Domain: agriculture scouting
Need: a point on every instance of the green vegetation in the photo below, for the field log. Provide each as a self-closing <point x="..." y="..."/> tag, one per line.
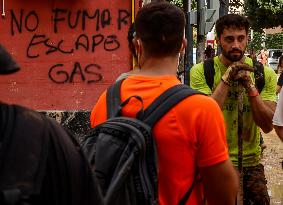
<point x="264" y="13"/>
<point x="179" y="3"/>
<point x="269" y="41"/>
<point x="274" y="40"/>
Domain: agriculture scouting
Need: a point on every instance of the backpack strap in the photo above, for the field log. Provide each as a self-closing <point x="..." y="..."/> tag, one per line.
<point x="188" y="193"/>
<point x="209" y="72"/>
<point x="113" y="99"/>
<point x="160" y="106"/>
<point x="259" y="75"/>
<point x="163" y="103"/>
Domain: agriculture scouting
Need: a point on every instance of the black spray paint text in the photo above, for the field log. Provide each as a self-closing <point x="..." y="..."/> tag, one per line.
<point x="98" y="19"/>
<point x="83" y="41"/>
<point x="63" y="20"/>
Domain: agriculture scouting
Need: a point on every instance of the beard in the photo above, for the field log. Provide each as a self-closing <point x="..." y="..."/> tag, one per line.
<point x="231" y="56"/>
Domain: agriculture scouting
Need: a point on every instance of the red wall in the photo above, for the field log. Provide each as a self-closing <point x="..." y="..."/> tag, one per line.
<point x="69" y="51"/>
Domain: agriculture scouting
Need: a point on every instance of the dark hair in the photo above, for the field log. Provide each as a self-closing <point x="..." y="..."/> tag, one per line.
<point x="160" y="26"/>
<point x="131" y="35"/>
<point x="280" y="60"/>
<point x="231" y="20"/>
<point x="209" y="52"/>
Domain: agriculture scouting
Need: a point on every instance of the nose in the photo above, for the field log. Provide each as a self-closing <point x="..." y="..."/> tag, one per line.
<point x="236" y="44"/>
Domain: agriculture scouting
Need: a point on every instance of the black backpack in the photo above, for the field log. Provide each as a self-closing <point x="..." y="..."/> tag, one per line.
<point x="122" y="150"/>
<point x="41" y="163"/>
<point x="209" y="73"/>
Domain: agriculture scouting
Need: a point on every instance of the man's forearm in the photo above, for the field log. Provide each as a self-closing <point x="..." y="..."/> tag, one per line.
<point x="279" y="131"/>
<point x="263" y="112"/>
<point x="220" y="93"/>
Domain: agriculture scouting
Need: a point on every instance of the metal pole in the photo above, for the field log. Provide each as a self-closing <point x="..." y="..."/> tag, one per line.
<point x="3" y="8"/>
<point x="200" y="37"/>
<point x="189" y="36"/>
<point x="223" y="10"/>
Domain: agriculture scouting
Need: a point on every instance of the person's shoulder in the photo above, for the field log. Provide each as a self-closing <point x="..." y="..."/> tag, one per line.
<point x="249" y="61"/>
<point x="197" y="69"/>
<point x="123" y="76"/>
<point x="28" y="115"/>
<point x="269" y="71"/>
<point x="39" y="121"/>
<point x="197" y="66"/>
<point x="201" y="102"/>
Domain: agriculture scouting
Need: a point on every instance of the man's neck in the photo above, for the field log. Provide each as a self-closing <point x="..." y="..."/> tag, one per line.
<point x="227" y="62"/>
<point x="159" y="66"/>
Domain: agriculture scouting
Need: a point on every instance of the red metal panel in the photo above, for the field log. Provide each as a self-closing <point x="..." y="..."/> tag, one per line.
<point x="69" y="51"/>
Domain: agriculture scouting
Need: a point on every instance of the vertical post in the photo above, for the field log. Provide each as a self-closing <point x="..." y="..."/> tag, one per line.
<point x="223" y="10"/>
<point x="200" y="37"/>
<point x="188" y="58"/>
<point x="3" y="8"/>
<point x="224" y="7"/>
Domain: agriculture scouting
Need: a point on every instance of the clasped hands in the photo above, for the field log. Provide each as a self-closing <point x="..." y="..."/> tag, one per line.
<point x="240" y="72"/>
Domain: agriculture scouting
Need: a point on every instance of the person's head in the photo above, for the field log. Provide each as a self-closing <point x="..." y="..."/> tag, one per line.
<point x="232" y="36"/>
<point x="160" y="30"/>
<point x="280" y="63"/>
<point x="131" y="36"/>
<point x="209" y="52"/>
<point x="7" y="63"/>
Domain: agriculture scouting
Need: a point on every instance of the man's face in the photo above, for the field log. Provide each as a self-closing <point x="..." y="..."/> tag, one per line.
<point x="233" y="43"/>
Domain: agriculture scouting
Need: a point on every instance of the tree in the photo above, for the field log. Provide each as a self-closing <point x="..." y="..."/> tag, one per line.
<point x="180" y="4"/>
<point x="264" y="13"/>
<point x="256" y="43"/>
<point x="274" y="40"/>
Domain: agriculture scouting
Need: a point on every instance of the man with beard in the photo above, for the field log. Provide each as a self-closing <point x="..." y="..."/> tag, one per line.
<point x="232" y="69"/>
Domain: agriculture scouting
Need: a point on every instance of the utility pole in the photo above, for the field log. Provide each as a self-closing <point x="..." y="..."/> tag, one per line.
<point x="188" y="58"/>
<point x="224" y="7"/>
<point x="223" y="10"/>
<point x="200" y="35"/>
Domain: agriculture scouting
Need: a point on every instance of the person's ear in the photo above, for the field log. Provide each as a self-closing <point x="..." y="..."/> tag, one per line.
<point x="184" y="45"/>
<point x="138" y="49"/>
<point x="137" y="44"/>
<point x="217" y="40"/>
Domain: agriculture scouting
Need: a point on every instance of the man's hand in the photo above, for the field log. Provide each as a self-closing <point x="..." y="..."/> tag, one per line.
<point x="245" y="79"/>
<point x="238" y="72"/>
<point x="244" y="76"/>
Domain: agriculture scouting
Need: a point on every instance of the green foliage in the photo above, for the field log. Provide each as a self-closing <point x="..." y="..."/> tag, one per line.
<point x="274" y="40"/>
<point x="235" y="5"/>
<point x="179" y="3"/>
<point x="264" y="13"/>
<point x="270" y="41"/>
<point x="256" y="43"/>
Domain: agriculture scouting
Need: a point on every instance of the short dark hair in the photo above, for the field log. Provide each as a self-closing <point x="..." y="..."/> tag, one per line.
<point x="231" y="20"/>
<point x="130" y="37"/>
<point x="160" y="26"/>
<point x="280" y="60"/>
<point x="209" y="51"/>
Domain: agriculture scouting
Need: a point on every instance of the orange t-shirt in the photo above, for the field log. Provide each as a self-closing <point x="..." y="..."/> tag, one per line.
<point x="192" y="132"/>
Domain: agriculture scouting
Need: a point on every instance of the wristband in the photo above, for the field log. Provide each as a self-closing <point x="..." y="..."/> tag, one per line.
<point x="253" y="92"/>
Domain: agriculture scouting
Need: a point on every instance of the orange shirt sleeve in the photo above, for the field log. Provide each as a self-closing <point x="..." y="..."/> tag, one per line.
<point x="206" y="124"/>
<point x="99" y="111"/>
<point x="213" y="147"/>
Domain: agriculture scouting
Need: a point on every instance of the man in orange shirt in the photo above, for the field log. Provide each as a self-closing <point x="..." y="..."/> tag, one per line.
<point x="190" y="137"/>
